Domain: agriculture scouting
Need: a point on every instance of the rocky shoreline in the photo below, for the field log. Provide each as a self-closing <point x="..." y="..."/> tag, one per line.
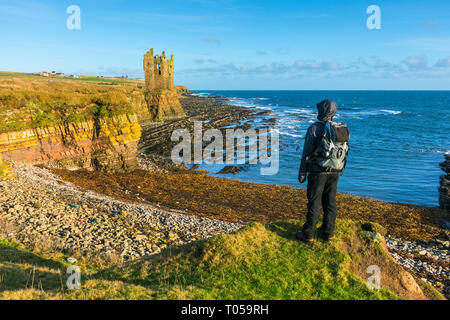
<point x="429" y="261"/>
<point x="41" y="211"/>
<point x="213" y="112"/>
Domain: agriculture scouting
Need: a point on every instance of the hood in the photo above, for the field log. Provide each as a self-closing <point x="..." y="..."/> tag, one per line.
<point x="327" y="109"/>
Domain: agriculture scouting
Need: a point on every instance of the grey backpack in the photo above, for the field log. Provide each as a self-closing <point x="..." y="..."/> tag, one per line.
<point x="333" y="148"/>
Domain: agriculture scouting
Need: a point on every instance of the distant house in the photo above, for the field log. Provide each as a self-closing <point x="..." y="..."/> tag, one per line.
<point x="75" y="76"/>
<point x="43" y="74"/>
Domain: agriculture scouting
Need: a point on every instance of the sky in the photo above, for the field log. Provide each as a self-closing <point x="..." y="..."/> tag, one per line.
<point x="237" y="45"/>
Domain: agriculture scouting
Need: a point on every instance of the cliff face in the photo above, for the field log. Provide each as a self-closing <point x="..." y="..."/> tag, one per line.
<point x="164" y="104"/>
<point x="444" y="190"/>
<point x="182" y="90"/>
<point x="101" y="143"/>
<point x="81" y="124"/>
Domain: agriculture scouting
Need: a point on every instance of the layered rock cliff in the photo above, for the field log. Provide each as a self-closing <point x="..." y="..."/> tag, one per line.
<point x="82" y="124"/>
<point x="163" y="104"/>
<point x="182" y="90"/>
<point x="108" y="143"/>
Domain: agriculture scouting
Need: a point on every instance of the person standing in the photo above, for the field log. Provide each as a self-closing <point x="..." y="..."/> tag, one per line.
<point x="324" y="157"/>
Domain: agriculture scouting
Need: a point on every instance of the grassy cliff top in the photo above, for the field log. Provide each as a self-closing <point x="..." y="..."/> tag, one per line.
<point x="28" y="101"/>
<point x="260" y="261"/>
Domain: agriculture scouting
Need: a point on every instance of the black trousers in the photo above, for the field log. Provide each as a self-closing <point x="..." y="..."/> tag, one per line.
<point x="321" y="190"/>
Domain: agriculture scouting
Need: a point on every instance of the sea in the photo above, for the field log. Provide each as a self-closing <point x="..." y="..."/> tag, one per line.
<point x="398" y="139"/>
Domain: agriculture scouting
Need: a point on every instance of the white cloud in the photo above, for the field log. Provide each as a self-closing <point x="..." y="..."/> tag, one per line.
<point x="211" y="40"/>
<point x="414" y="66"/>
<point x="416" y="61"/>
<point x="443" y="63"/>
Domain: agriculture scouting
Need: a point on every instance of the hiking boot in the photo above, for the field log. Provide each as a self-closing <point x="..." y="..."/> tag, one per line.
<point x="299" y="236"/>
<point x="323" y="236"/>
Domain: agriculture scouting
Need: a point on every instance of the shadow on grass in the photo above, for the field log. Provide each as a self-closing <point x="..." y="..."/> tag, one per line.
<point x="10" y="253"/>
<point x="22" y="270"/>
<point x="285" y="229"/>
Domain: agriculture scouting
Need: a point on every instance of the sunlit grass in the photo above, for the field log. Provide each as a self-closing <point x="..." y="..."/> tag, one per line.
<point x="32" y="102"/>
<point x="260" y="261"/>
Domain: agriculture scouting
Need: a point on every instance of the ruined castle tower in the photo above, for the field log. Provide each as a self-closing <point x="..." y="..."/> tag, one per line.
<point x="161" y="96"/>
<point x="158" y="71"/>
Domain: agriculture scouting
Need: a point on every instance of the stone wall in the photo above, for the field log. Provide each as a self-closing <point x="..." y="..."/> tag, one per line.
<point x="444" y="189"/>
<point x="104" y="143"/>
<point x="158" y="71"/>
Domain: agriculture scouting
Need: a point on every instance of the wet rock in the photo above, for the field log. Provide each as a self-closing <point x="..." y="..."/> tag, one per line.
<point x="372" y="236"/>
<point x="231" y="169"/>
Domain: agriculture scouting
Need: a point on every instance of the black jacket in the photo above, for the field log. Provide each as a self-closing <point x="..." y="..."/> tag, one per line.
<point x="327" y="109"/>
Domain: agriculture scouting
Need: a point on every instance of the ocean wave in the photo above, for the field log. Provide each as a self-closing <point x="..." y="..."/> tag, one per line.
<point x="292" y="134"/>
<point x="382" y="112"/>
<point x="246" y="104"/>
<point x="300" y="111"/>
<point x="391" y="111"/>
<point x="431" y="150"/>
<point x="292" y="127"/>
<point x="200" y="94"/>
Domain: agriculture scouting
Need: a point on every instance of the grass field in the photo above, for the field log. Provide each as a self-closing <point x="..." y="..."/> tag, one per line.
<point x="99" y="80"/>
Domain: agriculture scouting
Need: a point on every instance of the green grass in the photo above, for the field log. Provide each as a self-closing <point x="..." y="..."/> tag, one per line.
<point x="4" y="169"/>
<point x="14" y="74"/>
<point x="104" y="80"/>
<point x="257" y="262"/>
<point x="98" y="80"/>
<point x="33" y="102"/>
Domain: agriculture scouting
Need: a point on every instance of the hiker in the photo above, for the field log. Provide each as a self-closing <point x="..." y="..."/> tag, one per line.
<point x="324" y="158"/>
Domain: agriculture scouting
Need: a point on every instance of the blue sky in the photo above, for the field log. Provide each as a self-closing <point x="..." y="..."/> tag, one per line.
<point x="245" y="44"/>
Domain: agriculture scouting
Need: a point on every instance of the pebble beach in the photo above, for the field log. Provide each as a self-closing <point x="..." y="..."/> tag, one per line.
<point x="40" y="210"/>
